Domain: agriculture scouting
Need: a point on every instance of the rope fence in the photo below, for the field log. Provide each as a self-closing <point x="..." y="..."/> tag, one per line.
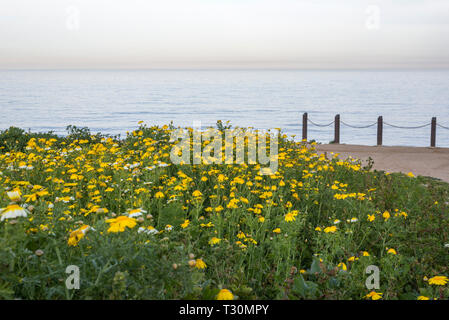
<point x="321" y="125"/>
<point x="380" y="123"/>
<point x="358" y="127"/>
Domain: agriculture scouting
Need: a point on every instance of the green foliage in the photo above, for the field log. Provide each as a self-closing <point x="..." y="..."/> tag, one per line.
<point x="15" y="139"/>
<point x="322" y="253"/>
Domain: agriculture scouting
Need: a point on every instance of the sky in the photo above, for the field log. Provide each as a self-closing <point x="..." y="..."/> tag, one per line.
<point x="135" y="34"/>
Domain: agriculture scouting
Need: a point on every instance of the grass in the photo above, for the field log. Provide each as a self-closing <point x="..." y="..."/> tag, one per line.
<point x="139" y="227"/>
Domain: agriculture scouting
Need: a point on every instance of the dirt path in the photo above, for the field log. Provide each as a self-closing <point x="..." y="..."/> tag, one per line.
<point x="433" y="162"/>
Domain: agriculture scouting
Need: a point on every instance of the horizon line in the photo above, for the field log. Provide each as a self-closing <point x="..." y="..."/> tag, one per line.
<point x="445" y="68"/>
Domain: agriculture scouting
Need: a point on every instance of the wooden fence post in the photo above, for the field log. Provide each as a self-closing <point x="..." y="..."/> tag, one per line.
<point x="433" y="132"/>
<point x="304" y="126"/>
<point x="337" y="129"/>
<point x="379" y="130"/>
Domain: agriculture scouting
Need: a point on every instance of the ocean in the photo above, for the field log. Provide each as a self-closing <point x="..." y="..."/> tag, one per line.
<point x="114" y="101"/>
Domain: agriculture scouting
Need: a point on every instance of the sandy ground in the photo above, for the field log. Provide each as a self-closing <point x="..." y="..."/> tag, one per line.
<point x="433" y="162"/>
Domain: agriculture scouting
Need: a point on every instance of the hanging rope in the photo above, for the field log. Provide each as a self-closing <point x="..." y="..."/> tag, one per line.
<point x="379" y="123"/>
<point x="320" y="125"/>
<point x="401" y="127"/>
<point x="439" y="125"/>
<point x="358" y="127"/>
<point x="373" y="124"/>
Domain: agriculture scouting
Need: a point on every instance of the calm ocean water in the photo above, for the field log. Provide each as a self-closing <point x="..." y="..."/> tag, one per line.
<point x="114" y="101"/>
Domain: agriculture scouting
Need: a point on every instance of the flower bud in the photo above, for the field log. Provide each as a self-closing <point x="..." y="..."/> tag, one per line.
<point x="39" y="252"/>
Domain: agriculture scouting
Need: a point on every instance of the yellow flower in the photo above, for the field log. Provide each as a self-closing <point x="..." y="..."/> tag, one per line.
<point x="159" y="195"/>
<point x="200" y="264"/>
<point x="197" y="193"/>
<point x="12" y="211"/>
<point x="261" y="219"/>
<point x="290" y="217"/>
<point x="185" y="224"/>
<point x="14" y="195"/>
<point x="225" y="294"/>
<point x="423" y="298"/>
<point x="208" y="225"/>
<point x="232" y="204"/>
<point x="77" y="235"/>
<point x="374" y="295"/>
<point x="317" y="229"/>
<point x="392" y="251"/>
<point x="214" y="240"/>
<point x="410" y="174"/>
<point x="371" y="217"/>
<point x="342" y="266"/>
<point x="119" y="224"/>
<point x="330" y="229"/>
<point x="386" y="215"/>
<point x="277" y="230"/>
<point x="438" y="280"/>
<point x="134" y="212"/>
<point x="241" y="235"/>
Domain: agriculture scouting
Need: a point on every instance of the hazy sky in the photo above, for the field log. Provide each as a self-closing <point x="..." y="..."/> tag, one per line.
<point x="224" y="33"/>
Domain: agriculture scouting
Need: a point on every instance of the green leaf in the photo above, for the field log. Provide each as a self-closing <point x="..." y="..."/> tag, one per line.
<point x="315" y="267"/>
<point x="172" y="215"/>
<point x="306" y="289"/>
<point x="300" y="286"/>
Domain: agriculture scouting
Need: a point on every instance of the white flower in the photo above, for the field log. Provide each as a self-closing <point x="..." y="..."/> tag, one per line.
<point x="149" y="230"/>
<point x="68" y="200"/>
<point x="14" y="195"/>
<point x="162" y="164"/>
<point x="12" y="211"/>
<point x="136" y="213"/>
